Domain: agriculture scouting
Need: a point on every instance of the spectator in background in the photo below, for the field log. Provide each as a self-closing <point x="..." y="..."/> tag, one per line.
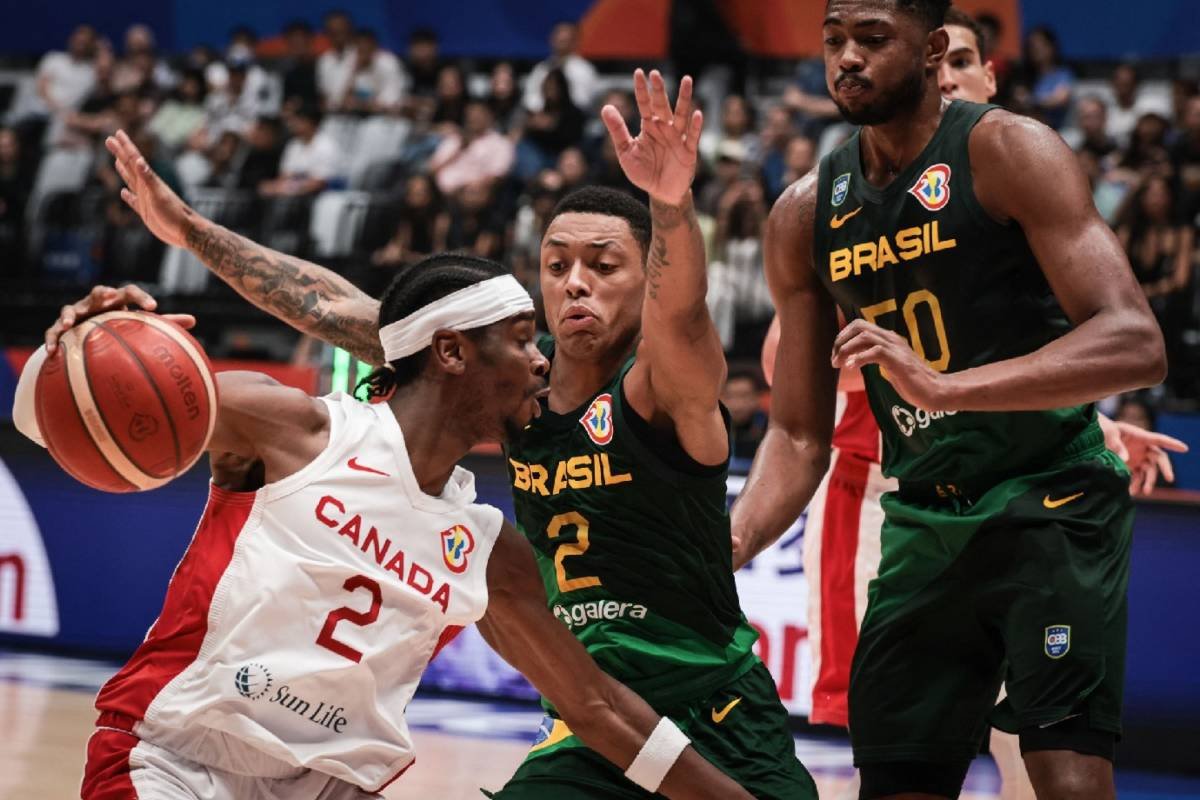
<point x="1147" y="153"/>
<point x="243" y="44"/>
<point x="226" y="108"/>
<point x="1135" y="411"/>
<point x="473" y="225"/>
<point x="738" y="297"/>
<point x="299" y="67"/>
<point x="335" y="67"/>
<point x="1048" y="85"/>
<point x="64" y="80"/>
<point x="580" y="74"/>
<point x="16" y="181"/>
<point x="423" y="63"/>
<point x="478" y="153"/>
<point x="259" y="155"/>
<point x="1182" y="90"/>
<point x="807" y="97"/>
<point x="549" y="131"/>
<point x="140" y="69"/>
<point x="504" y="100"/>
<point x="1108" y="194"/>
<point x="594" y="132"/>
<point x="1129" y="105"/>
<point x="1161" y="248"/>
<point x="1092" y="134"/>
<point x="182" y="114"/>
<point x="727" y="169"/>
<point x="1185" y="157"/>
<point x="417" y="225"/>
<point x="606" y="171"/>
<point x="451" y="101"/>
<point x="737" y="125"/>
<point x="572" y="169"/>
<point x="378" y="81"/>
<point x="533" y="215"/>
<point x="743" y="396"/>
<point x="311" y="160"/>
<point x="799" y="159"/>
<point x="777" y="131"/>
<point x="993" y="33"/>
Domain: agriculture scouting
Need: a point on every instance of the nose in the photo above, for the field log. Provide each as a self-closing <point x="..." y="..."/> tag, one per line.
<point x="946" y="81"/>
<point x="539" y="365"/>
<point x="577" y="285"/>
<point x="851" y="58"/>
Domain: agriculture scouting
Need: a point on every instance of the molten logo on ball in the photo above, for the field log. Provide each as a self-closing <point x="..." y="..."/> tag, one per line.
<point x="182" y="380"/>
<point x="142" y="427"/>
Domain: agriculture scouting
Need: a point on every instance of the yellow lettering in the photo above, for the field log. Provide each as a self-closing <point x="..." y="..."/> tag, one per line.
<point x="925" y="233"/>
<point x="520" y="475"/>
<point x="840" y="264"/>
<point x="568" y="549"/>
<point x="886" y="256"/>
<point x="938" y="244"/>
<point x="560" y="477"/>
<point x="609" y="478"/>
<point x="864" y="255"/>
<point x="580" y="471"/>
<point x="537" y="479"/>
<point x="908" y="241"/>
<point x="929" y="299"/>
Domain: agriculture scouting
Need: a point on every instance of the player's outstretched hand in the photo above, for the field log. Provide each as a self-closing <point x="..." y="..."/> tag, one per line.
<point x="661" y="159"/>
<point x="106" y="298"/>
<point x="164" y="213"/>
<point x="861" y="343"/>
<point x="1143" y="451"/>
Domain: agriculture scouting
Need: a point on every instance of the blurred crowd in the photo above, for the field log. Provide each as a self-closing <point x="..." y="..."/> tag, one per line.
<point x="326" y="144"/>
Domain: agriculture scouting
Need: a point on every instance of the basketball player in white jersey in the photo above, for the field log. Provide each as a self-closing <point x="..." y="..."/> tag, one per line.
<point x="339" y="550"/>
<point x="844" y="518"/>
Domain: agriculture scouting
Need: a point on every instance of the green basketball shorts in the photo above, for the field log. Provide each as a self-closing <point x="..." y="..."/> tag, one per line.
<point x="742" y="728"/>
<point x="1024" y="583"/>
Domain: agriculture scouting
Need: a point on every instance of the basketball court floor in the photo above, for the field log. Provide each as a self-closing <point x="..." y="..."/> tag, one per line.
<point x="46" y="717"/>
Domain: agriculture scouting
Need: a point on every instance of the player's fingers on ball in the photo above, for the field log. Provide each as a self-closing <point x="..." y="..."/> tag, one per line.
<point x="139" y="296"/>
<point x="182" y="320"/>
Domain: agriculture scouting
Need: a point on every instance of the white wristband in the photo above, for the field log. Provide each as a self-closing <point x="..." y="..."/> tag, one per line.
<point x="660" y="752"/>
<point x="24" y="410"/>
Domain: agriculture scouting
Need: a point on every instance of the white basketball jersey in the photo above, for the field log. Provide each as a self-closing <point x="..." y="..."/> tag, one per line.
<point x="303" y="615"/>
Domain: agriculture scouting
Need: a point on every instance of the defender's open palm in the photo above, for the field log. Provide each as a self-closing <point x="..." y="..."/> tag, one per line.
<point x="164" y="213"/>
<point x="661" y="159"/>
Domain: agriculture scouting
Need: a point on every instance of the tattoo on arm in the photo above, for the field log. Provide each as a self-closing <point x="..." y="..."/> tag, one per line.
<point x="664" y="219"/>
<point x="295" y="291"/>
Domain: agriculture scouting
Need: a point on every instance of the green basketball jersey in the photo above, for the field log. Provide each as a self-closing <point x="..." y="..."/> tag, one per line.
<point x="922" y="257"/>
<point x="634" y="551"/>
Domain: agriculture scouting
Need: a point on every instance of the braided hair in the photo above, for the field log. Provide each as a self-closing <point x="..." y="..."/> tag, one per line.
<point x="415" y="286"/>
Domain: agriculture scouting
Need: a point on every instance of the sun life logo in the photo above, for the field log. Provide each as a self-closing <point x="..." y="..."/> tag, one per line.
<point x="598" y="421"/>
<point x="252" y="681"/>
<point x="932" y="189"/>
<point x="457" y="542"/>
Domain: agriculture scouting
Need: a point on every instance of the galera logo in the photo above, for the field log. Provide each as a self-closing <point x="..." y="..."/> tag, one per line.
<point x="908" y="421"/>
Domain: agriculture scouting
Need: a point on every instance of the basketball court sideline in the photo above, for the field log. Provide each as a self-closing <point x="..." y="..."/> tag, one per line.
<point x="46" y="714"/>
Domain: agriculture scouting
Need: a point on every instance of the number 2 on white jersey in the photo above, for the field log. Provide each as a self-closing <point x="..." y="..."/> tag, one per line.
<point x="363" y="618"/>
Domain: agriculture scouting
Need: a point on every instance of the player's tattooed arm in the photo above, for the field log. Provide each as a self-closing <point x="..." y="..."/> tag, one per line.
<point x="680" y="368"/>
<point x="310" y="298"/>
<point x="605" y="714"/>
<point x="794" y="454"/>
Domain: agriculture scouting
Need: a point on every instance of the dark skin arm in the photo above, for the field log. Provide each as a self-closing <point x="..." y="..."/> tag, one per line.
<point x="1115" y="345"/>
<point x="794" y="454"/>
<point x="601" y="711"/>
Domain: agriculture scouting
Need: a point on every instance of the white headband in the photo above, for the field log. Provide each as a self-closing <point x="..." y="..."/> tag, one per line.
<point x="473" y="307"/>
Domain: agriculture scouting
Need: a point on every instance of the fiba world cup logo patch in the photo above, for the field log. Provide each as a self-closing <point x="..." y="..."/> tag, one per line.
<point x="932" y="189"/>
<point x="457" y="542"/>
<point x="598" y="421"/>
<point x="1058" y="640"/>
<point x="252" y="681"/>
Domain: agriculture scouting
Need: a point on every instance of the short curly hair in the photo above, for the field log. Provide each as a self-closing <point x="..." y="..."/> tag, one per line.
<point x="931" y="12"/>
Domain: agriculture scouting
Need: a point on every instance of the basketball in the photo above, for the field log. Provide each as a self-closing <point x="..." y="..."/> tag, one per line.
<point x="127" y="402"/>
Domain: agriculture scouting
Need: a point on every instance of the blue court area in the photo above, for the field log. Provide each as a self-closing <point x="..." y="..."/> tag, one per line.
<point x="476" y="723"/>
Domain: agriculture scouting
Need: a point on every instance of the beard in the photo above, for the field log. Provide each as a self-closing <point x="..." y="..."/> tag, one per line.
<point x="906" y="96"/>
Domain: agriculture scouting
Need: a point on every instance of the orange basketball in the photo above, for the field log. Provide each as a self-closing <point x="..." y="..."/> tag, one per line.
<point x="127" y="402"/>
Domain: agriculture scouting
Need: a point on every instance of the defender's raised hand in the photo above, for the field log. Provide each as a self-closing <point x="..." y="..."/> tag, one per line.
<point x="661" y="159"/>
<point x="164" y="213"/>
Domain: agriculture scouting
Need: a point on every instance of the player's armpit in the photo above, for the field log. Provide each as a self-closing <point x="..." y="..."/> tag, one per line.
<point x="258" y="417"/>
<point x="309" y="297"/>
<point x="794" y="454"/>
<point x="602" y="712"/>
<point x="1024" y="172"/>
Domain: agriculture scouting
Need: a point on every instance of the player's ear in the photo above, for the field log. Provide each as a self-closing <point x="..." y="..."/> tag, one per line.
<point x="447" y="351"/>
<point x="936" y="47"/>
<point x="989" y="78"/>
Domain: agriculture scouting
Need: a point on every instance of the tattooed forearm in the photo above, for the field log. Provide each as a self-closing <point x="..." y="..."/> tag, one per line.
<point x="306" y="296"/>
<point x="667" y="221"/>
<point x="656" y="262"/>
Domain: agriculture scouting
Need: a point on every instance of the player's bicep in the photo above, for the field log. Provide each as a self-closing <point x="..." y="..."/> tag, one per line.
<point x="1017" y="160"/>
<point x="805" y="382"/>
<point x="255" y="410"/>
<point x="521" y="629"/>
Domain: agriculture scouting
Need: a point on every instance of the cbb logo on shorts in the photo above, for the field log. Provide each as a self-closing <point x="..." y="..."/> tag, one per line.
<point x="932" y="189"/>
<point x="252" y="681"/>
<point x="457" y="542"/>
<point x="598" y="421"/>
<point x="1058" y="640"/>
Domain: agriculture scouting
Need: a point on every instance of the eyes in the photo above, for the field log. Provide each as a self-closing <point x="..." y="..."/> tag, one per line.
<point x="873" y="41"/>
<point x="603" y="267"/>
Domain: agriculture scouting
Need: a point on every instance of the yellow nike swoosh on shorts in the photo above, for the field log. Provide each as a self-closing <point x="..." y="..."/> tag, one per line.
<point x="719" y="716"/>
<point x="838" y="222"/>
<point x="1053" y="504"/>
